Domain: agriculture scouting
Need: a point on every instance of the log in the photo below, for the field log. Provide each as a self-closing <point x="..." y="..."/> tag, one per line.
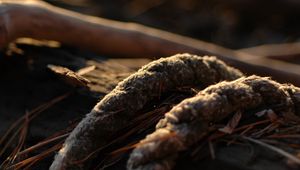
<point x="43" y="21"/>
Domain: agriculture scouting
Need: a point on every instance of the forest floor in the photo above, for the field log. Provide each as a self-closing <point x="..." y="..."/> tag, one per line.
<point x="43" y="107"/>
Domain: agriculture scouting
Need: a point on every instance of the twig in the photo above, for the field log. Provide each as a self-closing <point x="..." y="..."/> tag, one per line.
<point x="279" y="51"/>
<point x="283" y="136"/>
<point x="40" y="144"/>
<point x="275" y="149"/>
<point x="27" y="118"/>
<point x="35" y="158"/>
<point x="212" y="150"/>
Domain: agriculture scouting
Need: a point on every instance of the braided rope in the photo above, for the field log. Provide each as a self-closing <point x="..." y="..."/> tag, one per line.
<point x="119" y="107"/>
<point x="188" y="122"/>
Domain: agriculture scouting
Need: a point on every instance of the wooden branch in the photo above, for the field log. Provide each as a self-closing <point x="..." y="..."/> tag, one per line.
<point x="42" y="21"/>
<point x="289" y="52"/>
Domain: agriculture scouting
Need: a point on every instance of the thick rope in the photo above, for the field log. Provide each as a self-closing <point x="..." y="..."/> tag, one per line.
<point x="188" y="122"/>
<point x="120" y="106"/>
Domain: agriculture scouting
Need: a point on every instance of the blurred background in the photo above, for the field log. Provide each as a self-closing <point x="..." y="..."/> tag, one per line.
<point x="232" y="23"/>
